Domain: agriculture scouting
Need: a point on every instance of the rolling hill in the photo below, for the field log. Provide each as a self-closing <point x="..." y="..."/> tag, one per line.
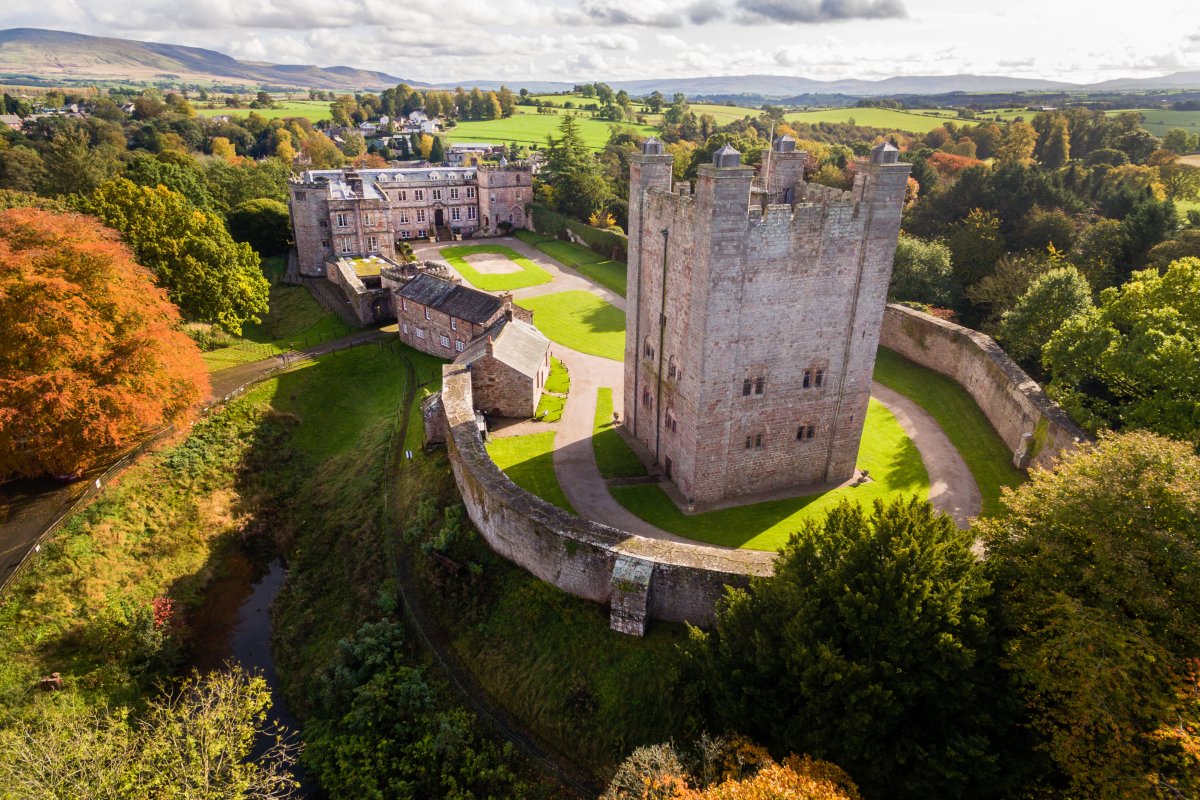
<point x="59" y="55"/>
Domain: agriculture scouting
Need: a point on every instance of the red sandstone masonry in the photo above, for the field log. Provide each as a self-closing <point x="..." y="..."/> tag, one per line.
<point x="577" y="555"/>
<point x="1011" y="400"/>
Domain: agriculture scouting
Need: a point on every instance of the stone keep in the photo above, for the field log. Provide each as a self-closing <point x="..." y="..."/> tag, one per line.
<point x="755" y="305"/>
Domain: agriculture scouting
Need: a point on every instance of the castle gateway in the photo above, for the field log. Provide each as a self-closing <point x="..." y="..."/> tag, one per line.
<point x="755" y="306"/>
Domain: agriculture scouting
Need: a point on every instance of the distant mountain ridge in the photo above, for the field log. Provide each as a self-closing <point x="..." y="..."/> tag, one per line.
<point x="62" y="55"/>
<point x="48" y="54"/>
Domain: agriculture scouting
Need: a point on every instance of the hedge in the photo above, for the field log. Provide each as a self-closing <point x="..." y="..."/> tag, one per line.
<point x="551" y="223"/>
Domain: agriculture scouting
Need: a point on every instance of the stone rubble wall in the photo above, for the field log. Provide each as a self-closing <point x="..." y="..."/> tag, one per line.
<point x="1031" y="425"/>
<point x="578" y="555"/>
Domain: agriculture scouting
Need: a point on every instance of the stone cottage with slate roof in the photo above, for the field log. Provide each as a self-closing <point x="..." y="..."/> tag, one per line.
<point x="509" y="365"/>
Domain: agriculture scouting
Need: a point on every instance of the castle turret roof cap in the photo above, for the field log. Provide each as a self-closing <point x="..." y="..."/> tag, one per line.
<point x="885" y="153"/>
<point x="727" y="157"/>
<point x="652" y="147"/>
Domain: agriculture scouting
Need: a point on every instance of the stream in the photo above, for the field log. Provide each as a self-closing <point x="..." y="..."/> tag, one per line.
<point x="234" y="624"/>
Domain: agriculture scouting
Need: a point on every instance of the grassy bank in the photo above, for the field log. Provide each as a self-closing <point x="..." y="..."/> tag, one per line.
<point x="294" y="320"/>
<point x="527" y="273"/>
<point x="605" y="271"/>
<point x="613" y="456"/>
<point x="529" y="462"/>
<point x="956" y="412"/>
<point x="581" y="321"/>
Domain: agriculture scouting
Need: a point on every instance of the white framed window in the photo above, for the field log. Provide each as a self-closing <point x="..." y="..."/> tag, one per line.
<point x="421" y="233"/>
<point x="420" y="215"/>
<point x="453" y="324"/>
<point x="403" y="217"/>
<point x="404" y="304"/>
<point x="301" y="196"/>
<point x="444" y="341"/>
<point x="341" y="221"/>
<point x="419" y="194"/>
<point x="453" y="193"/>
<point x="346" y="245"/>
<point x="472" y="212"/>
<point x="456" y="213"/>
<point x="368" y="218"/>
<point x="427" y="313"/>
<point x="420" y="333"/>
<point x="404" y="234"/>
<point x="460" y="345"/>
<point x="372" y="243"/>
<point x="404" y="328"/>
<point x="402" y="195"/>
<point x="437" y="194"/>
<point x="470" y="192"/>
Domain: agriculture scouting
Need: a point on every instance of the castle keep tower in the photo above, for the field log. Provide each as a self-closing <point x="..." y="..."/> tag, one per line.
<point x="755" y="304"/>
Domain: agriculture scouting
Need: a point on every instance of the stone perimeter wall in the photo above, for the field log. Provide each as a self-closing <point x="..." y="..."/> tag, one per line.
<point x="1032" y="426"/>
<point x="638" y="578"/>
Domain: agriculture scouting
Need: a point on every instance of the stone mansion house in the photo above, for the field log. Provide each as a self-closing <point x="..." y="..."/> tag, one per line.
<point x="351" y="213"/>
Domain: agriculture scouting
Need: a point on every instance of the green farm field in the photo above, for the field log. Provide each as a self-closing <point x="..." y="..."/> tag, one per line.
<point x="1159" y="122"/>
<point x="312" y="110"/>
<point x="531" y="129"/>
<point x="914" y="121"/>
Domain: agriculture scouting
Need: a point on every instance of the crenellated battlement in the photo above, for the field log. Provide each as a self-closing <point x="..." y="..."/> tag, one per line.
<point x="755" y="300"/>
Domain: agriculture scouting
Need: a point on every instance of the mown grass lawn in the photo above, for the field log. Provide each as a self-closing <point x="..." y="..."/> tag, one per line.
<point x="914" y="121"/>
<point x="581" y="321"/>
<point x="559" y="380"/>
<point x="988" y="458"/>
<point x="530" y="129"/>
<point x="886" y="451"/>
<point x="550" y="408"/>
<point x="613" y="456"/>
<point x="607" y="272"/>
<point x="529" y="462"/>
<point x="311" y="110"/>
<point x="530" y="275"/>
<point x="294" y="317"/>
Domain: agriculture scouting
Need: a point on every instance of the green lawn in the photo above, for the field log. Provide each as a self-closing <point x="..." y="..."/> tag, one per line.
<point x="607" y="272"/>
<point x="530" y="129"/>
<point x="581" y="321"/>
<point x="892" y="459"/>
<point x="988" y="458"/>
<point x="294" y="318"/>
<point x="530" y="275"/>
<point x="529" y="462"/>
<point x="559" y="380"/>
<point x="311" y="110"/>
<point x="613" y="456"/>
<point x="551" y="406"/>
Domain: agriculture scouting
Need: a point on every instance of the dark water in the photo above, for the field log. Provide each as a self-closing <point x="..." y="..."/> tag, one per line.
<point x="234" y="624"/>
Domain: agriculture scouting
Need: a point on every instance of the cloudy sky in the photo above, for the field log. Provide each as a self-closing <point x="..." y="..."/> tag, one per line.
<point x="576" y="40"/>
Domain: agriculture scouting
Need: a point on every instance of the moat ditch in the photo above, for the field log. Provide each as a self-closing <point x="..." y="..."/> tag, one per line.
<point x="233" y="624"/>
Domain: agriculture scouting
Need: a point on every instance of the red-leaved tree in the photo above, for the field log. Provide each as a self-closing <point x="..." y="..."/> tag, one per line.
<point x="91" y="352"/>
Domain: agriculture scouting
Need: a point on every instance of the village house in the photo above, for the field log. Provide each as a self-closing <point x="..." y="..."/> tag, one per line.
<point x="509" y="364"/>
<point x="441" y="317"/>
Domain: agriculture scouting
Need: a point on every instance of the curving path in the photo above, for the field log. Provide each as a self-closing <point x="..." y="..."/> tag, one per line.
<point x="952" y="488"/>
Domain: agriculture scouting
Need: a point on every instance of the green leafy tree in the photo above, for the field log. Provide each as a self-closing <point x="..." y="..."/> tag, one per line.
<point x="208" y="275"/>
<point x="176" y="171"/>
<point x="195" y="741"/>
<point x="262" y="223"/>
<point x="922" y="272"/>
<point x="867" y="647"/>
<point x="1049" y="301"/>
<point x="21" y="169"/>
<point x="1134" y="360"/>
<point x="1018" y="144"/>
<point x="437" y="153"/>
<point x="976" y="245"/>
<point x="573" y="173"/>
<point x="1179" y="141"/>
<point x="1099" y="253"/>
<point x="1097" y="565"/>
<point x="1057" y="149"/>
<point x="1147" y="224"/>
<point x="73" y="166"/>
<point x="1186" y="244"/>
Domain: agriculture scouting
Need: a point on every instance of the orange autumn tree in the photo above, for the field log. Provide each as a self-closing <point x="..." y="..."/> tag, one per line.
<point x="91" y="352"/>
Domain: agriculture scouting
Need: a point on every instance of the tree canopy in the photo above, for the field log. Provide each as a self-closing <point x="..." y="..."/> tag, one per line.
<point x="1134" y="360"/>
<point x="262" y="223"/>
<point x="93" y="357"/>
<point x="1049" y="301"/>
<point x="1098" y="568"/>
<point x="864" y="648"/>
<point x="573" y="173"/>
<point x="208" y="275"/>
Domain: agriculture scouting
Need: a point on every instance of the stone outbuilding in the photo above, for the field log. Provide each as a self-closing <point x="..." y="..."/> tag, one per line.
<point x="509" y="365"/>
<point x="441" y="317"/>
